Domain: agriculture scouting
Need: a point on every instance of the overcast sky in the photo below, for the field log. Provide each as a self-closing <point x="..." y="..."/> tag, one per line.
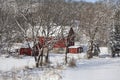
<point x="88" y="0"/>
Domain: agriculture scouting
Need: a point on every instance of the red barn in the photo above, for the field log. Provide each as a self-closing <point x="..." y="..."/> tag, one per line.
<point x="61" y="43"/>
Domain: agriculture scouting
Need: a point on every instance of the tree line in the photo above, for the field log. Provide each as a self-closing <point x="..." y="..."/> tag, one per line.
<point x="93" y="21"/>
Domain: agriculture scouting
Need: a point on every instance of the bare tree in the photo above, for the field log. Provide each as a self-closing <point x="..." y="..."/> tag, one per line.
<point x="41" y="22"/>
<point x="8" y="32"/>
<point x="93" y="20"/>
<point x="66" y="18"/>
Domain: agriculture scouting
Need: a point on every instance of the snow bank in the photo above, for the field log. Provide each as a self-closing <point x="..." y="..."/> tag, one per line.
<point x="103" y="50"/>
<point x="7" y="64"/>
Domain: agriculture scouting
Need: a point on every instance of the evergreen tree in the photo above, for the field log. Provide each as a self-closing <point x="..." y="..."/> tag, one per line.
<point x="115" y="35"/>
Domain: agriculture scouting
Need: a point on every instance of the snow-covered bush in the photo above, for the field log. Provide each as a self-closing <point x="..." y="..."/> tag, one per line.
<point x="72" y="62"/>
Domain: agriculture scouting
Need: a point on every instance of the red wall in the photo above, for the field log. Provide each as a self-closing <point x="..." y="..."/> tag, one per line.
<point x="76" y="50"/>
<point x="73" y="50"/>
<point x="25" y="51"/>
<point x="58" y="44"/>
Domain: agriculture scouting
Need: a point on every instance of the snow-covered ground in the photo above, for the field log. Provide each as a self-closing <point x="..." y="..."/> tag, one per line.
<point x="8" y="64"/>
<point x="95" y="69"/>
<point x="98" y="68"/>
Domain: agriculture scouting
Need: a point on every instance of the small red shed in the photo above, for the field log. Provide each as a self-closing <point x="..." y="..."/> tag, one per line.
<point x="25" y="51"/>
<point x="75" y="49"/>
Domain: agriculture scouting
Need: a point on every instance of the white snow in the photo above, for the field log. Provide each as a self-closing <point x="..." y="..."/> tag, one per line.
<point x="27" y="44"/>
<point x="103" y="50"/>
<point x="7" y="64"/>
<point x="98" y="68"/>
<point x="74" y="46"/>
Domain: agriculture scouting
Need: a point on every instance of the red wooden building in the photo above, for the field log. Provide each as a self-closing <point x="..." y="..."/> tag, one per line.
<point x="75" y="49"/>
<point x="61" y="43"/>
<point x="26" y="51"/>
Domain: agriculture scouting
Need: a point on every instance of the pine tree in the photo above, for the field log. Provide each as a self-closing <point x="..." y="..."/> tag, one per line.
<point x="115" y="35"/>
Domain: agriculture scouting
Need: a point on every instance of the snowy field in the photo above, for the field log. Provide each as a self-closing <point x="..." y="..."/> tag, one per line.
<point x="98" y="68"/>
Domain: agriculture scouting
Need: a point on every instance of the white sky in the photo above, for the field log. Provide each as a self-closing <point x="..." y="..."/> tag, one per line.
<point x="88" y="0"/>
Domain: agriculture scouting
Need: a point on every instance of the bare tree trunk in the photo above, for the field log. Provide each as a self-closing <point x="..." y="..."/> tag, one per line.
<point x="47" y="57"/>
<point x="89" y="52"/>
<point x="40" y="58"/>
<point x="35" y="57"/>
<point x="37" y="64"/>
<point x="66" y="60"/>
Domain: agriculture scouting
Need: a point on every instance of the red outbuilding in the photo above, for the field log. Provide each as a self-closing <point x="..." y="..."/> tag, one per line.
<point x="75" y="49"/>
<point x="25" y="51"/>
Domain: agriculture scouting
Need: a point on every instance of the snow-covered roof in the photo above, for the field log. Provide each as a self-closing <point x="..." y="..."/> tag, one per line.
<point x="54" y="31"/>
<point x="77" y="43"/>
<point x="27" y="44"/>
<point x="74" y="46"/>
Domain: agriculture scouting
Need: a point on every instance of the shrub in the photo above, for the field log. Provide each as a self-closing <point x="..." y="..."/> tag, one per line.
<point x="72" y="63"/>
